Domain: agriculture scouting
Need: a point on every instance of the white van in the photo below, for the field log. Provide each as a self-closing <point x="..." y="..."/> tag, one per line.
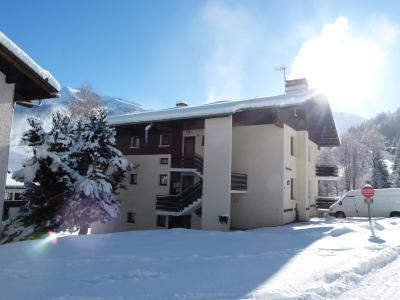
<point x="386" y="203"/>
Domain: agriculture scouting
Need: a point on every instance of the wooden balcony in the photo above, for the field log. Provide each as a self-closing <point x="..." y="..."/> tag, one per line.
<point x="325" y="202"/>
<point x="327" y="171"/>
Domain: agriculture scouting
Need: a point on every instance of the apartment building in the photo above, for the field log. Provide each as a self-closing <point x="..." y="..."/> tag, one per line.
<point x="224" y="165"/>
<point x="13" y="197"/>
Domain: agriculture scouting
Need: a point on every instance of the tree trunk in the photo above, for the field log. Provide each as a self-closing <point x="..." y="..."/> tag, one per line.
<point x="84" y="229"/>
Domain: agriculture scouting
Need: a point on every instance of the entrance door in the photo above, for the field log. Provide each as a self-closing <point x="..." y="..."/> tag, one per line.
<point x="189" y="151"/>
<point x="187" y="181"/>
<point x="179" y="222"/>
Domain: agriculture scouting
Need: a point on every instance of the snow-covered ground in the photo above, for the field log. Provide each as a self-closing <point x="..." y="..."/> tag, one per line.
<point x="324" y="258"/>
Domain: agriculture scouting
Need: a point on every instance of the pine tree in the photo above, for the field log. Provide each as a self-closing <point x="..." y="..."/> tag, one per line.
<point x="94" y="157"/>
<point x="380" y="174"/>
<point x="46" y="177"/>
<point x="72" y="177"/>
<point x="396" y="167"/>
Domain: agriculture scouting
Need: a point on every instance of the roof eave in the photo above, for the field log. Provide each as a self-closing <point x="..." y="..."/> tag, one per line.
<point x="18" y="72"/>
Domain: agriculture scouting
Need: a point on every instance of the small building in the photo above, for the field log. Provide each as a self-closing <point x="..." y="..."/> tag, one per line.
<point x="224" y="165"/>
<point x="21" y="81"/>
<point x="13" y="197"/>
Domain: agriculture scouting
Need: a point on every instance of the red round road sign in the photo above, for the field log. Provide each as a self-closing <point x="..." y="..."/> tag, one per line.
<point x="367" y="191"/>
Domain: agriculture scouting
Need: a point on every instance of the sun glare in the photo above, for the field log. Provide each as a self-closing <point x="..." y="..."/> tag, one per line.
<point x="341" y="64"/>
<point x="51" y="239"/>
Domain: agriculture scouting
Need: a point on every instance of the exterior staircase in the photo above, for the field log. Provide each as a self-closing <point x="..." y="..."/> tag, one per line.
<point x="181" y="204"/>
<point x="193" y="165"/>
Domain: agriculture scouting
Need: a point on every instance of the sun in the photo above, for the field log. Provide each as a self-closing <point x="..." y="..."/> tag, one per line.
<point x="340" y="63"/>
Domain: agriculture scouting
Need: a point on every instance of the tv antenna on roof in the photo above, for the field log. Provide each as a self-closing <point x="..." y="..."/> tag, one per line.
<point x="282" y="69"/>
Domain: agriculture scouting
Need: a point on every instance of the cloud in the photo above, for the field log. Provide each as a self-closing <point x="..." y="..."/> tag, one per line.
<point x="385" y="31"/>
<point x="346" y="63"/>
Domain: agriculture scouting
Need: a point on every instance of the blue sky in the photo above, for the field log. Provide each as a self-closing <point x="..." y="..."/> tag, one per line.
<point x="156" y="52"/>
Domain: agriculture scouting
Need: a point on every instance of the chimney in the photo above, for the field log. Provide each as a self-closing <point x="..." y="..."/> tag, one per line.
<point x="181" y="103"/>
<point x="296" y="85"/>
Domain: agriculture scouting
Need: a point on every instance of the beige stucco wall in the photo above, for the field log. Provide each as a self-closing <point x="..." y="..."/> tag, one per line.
<point x="216" y="199"/>
<point x="258" y="152"/>
<point x="140" y="198"/>
<point x="302" y="175"/>
<point x="290" y="163"/>
<point x="313" y="190"/>
<point x="195" y="222"/>
<point x="6" y="113"/>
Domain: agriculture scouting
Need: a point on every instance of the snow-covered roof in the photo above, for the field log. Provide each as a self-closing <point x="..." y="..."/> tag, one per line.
<point x="28" y="61"/>
<point x="11" y="183"/>
<point x="216" y="108"/>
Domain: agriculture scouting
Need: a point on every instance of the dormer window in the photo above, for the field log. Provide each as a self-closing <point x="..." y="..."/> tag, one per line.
<point x="164" y="140"/>
<point x="135" y="142"/>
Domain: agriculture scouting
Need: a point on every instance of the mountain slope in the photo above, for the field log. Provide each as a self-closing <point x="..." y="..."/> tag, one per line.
<point x="345" y="120"/>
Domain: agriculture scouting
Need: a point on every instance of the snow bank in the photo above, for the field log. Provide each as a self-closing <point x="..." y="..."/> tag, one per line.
<point x="315" y="260"/>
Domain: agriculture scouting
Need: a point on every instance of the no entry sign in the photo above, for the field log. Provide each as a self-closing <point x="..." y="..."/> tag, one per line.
<point x="367" y="191"/>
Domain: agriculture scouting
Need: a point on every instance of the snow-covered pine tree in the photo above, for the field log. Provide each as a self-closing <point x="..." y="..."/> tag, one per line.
<point x="380" y="174"/>
<point x="72" y="177"/>
<point x="47" y="179"/>
<point x="396" y="167"/>
<point x="101" y="168"/>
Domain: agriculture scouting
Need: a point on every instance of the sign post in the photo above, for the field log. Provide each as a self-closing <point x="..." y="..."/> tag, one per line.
<point x="368" y="192"/>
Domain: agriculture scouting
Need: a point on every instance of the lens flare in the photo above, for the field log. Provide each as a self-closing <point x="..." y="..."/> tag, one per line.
<point x="50" y="239"/>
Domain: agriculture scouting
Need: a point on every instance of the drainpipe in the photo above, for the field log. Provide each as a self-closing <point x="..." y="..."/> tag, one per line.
<point x="146" y="132"/>
<point x="29" y="104"/>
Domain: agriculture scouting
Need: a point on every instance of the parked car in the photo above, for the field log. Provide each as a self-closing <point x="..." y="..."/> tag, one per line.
<point x="386" y="203"/>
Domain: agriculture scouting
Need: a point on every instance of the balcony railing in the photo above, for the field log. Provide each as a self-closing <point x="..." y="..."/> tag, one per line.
<point x="325" y="202"/>
<point x="195" y="162"/>
<point x="238" y="182"/>
<point x="327" y="171"/>
<point x="178" y="202"/>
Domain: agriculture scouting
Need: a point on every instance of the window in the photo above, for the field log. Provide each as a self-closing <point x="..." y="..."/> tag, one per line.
<point x="161" y="221"/>
<point x="202" y="141"/>
<point x="133" y="179"/>
<point x="164" y="140"/>
<point x="164" y="160"/>
<point x="292" y="189"/>
<point x="135" y="142"/>
<point x="131" y="217"/>
<point x="292" y="145"/>
<point x="163" y="179"/>
<point x="8" y="196"/>
<point x="17" y="196"/>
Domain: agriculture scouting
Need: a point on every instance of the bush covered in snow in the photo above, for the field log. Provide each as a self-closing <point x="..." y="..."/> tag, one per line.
<point x="71" y="179"/>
